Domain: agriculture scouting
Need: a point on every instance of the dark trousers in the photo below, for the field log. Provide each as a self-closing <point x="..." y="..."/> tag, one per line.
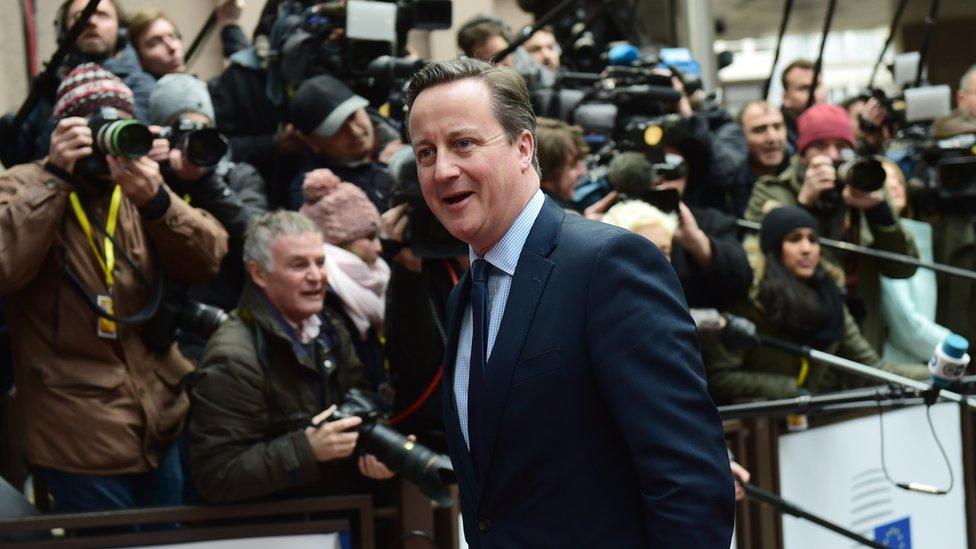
<point x="77" y="493"/>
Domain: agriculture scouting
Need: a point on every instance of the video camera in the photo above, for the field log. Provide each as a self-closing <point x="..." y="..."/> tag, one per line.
<point x="430" y="471"/>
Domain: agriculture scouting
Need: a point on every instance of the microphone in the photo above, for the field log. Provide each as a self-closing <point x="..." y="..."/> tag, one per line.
<point x="631" y="173"/>
<point x="949" y="361"/>
<point x="623" y="54"/>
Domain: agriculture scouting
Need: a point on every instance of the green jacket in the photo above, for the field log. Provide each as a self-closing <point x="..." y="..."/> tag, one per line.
<point x="784" y="189"/>
<point x="246" y="428"/>
<point x="764" y="373"/>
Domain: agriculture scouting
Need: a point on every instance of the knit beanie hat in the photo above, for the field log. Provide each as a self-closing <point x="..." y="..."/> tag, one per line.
<point x="176" y="94"/>
<point x="823" y="121"/>
<point x="779" y="222"/>
<point x="322" y="104"/>
<point x="89" y="87"/>
<point x="342" y="210"/>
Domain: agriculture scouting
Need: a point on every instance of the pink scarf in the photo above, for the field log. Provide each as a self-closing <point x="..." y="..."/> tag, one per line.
<point x="361" y="287"/>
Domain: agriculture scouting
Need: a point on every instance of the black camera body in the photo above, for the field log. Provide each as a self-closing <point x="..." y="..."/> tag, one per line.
<point x="200" y="144"/>
<point x="430" y="471"/>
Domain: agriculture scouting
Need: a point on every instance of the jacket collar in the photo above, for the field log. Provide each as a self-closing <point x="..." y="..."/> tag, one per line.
<point x="254" y="308"/>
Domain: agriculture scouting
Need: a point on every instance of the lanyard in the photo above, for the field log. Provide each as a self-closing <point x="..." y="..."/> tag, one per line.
<point x="107" y="258"/>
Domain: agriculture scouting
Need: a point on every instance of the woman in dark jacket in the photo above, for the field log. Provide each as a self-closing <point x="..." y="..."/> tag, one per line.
<point x="797" y="300"/>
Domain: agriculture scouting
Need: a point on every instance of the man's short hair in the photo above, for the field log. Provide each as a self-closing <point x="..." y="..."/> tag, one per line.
<point x="766" y="105"/>
<point x="804" y="64"/>
<point x="553" y="140"/>
<point x="141" y="20"/>
<point x="509" y="95"/>
<point x="263" y="232"/>
<point x="966" y="82"/>
<point x="478" y="30"/>
<point x="61" y="17"/>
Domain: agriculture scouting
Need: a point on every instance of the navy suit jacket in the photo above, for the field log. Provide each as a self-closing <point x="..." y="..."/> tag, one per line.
<point x="598" y="428"/>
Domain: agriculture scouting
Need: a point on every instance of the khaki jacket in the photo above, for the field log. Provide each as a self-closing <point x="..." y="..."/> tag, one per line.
<point x="93" y="405"/>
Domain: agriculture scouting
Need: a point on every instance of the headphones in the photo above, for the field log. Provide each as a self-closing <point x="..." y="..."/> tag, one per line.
<point x="61" y="25"/>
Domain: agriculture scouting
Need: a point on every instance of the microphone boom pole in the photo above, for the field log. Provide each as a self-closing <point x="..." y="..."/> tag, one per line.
<point x="755" y="493"/>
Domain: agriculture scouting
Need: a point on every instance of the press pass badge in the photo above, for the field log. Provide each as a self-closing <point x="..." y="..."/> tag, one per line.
<point x="107" y="329"/>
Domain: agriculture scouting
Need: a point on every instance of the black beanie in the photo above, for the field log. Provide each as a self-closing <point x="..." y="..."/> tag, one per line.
<point x="779" y="222"/>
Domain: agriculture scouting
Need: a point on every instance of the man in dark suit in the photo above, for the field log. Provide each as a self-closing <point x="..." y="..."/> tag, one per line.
<point x="575" y="400"/>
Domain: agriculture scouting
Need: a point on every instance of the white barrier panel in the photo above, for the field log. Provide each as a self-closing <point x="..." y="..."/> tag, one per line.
<point x="835" y="472"/>
<point x="308" y="541"/>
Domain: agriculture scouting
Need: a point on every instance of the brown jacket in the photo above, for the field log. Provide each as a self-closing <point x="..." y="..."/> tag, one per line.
<point x="93" y="405"/>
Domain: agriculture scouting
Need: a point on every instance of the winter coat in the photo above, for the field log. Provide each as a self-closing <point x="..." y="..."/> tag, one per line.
<point x="728" y="278"/>
<point x="784" y="189"/>
<point x="93" y="405"/>
<point x="247" y="427"/>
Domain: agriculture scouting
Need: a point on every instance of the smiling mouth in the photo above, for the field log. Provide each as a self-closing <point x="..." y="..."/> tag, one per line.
<point x="457" y="198"/>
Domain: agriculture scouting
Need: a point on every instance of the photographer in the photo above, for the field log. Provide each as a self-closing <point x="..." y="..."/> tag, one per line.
<point x="746" y="151"/>
<point x="797" y="81"/>
<point x="81" y="230"/>
<point x="102" y="42"/>
<point x="339" y="134"/>
<point x="278" y="366"/>
<point x="843" y="212"/>
<point x="233" y="192"/>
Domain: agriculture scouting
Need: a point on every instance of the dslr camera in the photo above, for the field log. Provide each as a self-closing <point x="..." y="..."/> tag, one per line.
<point x="113" y="135"/>
<point x="202" y="145"/>
<point x="430" y="471"/>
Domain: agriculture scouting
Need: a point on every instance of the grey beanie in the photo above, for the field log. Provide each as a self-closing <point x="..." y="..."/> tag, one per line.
<point x="176" y="94"/>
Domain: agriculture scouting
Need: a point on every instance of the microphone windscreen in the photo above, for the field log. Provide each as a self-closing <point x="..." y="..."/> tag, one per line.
<point x="631" y="173"/>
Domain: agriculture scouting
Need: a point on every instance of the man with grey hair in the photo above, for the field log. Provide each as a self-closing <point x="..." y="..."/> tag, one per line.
<point x="966" y="94"/>
<point x="272" y="374"/>
<point x="568" y="425"/>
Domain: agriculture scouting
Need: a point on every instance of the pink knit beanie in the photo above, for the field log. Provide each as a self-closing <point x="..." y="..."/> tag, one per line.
<point x="342" y="210"/>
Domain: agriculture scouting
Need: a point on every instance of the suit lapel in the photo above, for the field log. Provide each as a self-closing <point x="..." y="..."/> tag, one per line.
<point x="531" y="275"/>
<point x="457" y="303"/>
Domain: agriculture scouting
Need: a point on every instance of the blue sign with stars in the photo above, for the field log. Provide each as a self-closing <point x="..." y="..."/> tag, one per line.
<point x="897" y="534"/>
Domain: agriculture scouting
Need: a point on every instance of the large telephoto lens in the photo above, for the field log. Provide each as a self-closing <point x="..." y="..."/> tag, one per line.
<point x="865" y="174"/>
<point x="127" y="138"/>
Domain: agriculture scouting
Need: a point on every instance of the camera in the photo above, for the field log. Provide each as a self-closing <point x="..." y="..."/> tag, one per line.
<point x="864" y="173"/>
<point x="116" y="136"/>
<point x="201" y="145"/>
<point x="175" y="315"/>
<point x="430" y="471"/>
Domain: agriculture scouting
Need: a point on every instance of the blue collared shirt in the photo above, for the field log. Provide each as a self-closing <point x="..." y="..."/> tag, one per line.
<point x="503" y="257"/>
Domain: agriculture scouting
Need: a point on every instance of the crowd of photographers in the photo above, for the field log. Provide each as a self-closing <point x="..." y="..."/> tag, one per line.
<point x="141" y="206"/>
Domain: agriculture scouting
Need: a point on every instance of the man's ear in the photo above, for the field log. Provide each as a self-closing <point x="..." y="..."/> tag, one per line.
<point x="258" y="276"/>
<point x="526" y="150"/>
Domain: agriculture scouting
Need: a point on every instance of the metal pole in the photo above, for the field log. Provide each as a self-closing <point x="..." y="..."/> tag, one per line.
<point x="879" y="254"/>
<point x="701" y="39"/>
<point x="927" y="40"/>
<point x="891" y="36"/>
<point x="199" y="38"/>
<point x="787" y="10"/>
<point x="823" y="42"/>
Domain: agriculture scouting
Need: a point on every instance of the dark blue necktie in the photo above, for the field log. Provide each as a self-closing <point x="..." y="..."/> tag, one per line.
<point x="479" y="352"/>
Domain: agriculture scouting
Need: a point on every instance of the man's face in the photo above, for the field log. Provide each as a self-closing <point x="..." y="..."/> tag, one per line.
<point x="295" y="285"/>
<point x="797" y="92"/>
<point x="542" y="47"/>
<point x="573" y="169"/>
<point x="473" y="179"/>
<point x="765" y="135"/>
<point x="832" y="148"/>
<point x="966" y="97"/>
<point x="487" y="50"/>
<point x="160" y="49"/>
<point x="101" y="33"/>
<point x="353" y="142"/>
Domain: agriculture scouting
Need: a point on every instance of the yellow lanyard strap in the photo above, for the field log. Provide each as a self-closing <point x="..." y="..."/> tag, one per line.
<point x="804" y="371"/>
<point x="107" y="258"/>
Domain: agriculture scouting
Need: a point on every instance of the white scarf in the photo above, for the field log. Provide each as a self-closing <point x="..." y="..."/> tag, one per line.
<point x="361" y="287"/>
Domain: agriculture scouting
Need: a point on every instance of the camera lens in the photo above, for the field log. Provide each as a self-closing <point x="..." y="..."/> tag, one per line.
<point x="128" y="138"/>
<point x="864" y="174"/>
<point x="204" y="147"/>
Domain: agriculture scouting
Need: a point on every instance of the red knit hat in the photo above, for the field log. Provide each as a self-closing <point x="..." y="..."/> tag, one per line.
<point x="823" y="121"/>
<point x="87" y="88"/>
<point x="342" y="210"/>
